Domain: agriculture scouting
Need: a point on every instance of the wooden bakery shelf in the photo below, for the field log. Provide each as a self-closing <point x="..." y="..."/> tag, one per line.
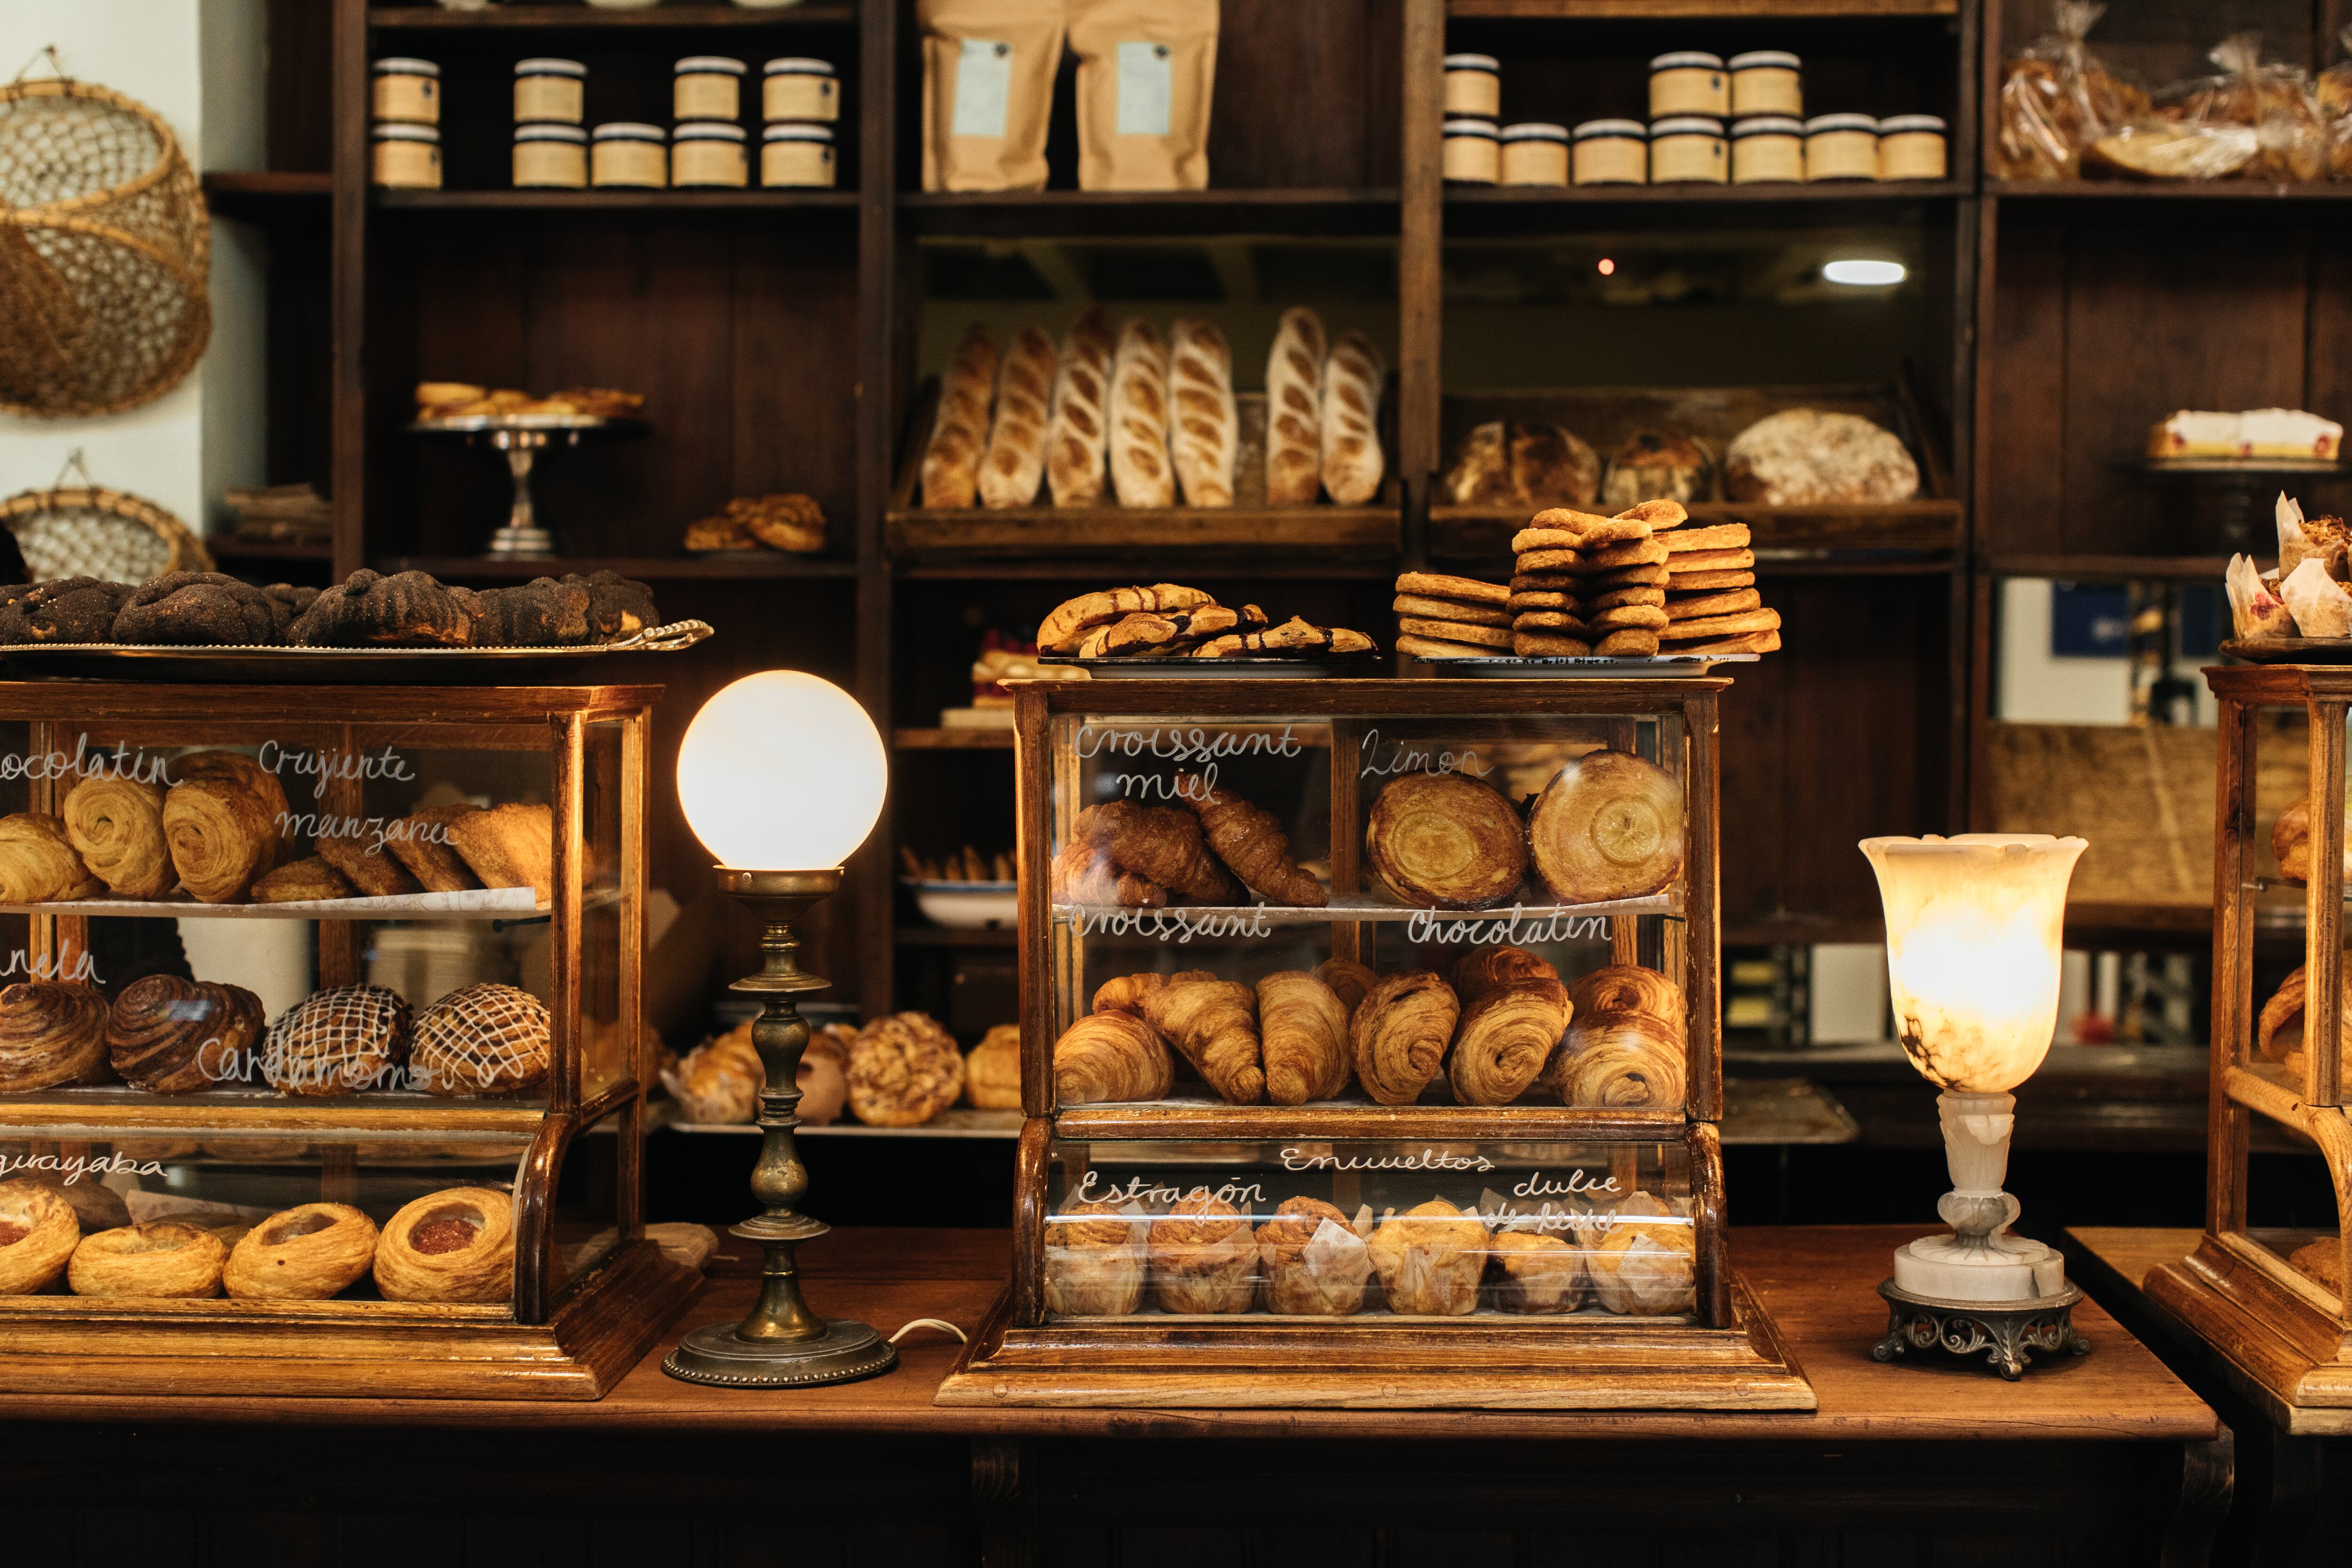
<point x="724" y="567"/>
<point x="1704" y="10"/>
<point x="612" y="200"/>
<point x="2102" y="191"/>
<point x="1005" y="215"/>
<point x="429" y="19"/>
<point x="117" y="1112"/>
<point x="1109" y="534"/>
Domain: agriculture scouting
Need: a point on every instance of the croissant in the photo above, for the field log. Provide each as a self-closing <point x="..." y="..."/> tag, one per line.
<point x="1125" y="993"/>
<point x="1399" y="1034"/>
<point x="1251" y="843"/>
<point x="1505" y="1039"/>
<point x="1347" y="980"/>
<point x="1609" y="826"/>
<point x="221" y="837"/>
<point x="1215" y="1023"/>
<point x="1111" y="1057"/>
<point x="1304" y="1029"/>
<point x="1491" y="968"/>
<point x="2279" y="1033"/>
<point x="2291" y="840"/>
<point x="38" y="862"/>
<point x="116" y="824"/>
<point x="1158" y="842"/>
<point x="1628" y="988"/>
<point x="1446" y="840"/>
<point x="51" y="1033"/>
<point x="1083" y="874"/>
<point x="237" y="768"/>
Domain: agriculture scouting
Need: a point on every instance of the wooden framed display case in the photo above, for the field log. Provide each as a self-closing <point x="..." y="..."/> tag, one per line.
<point x="418" y="1107"/>
<point x="2273" y="1301"/>
<point x="1560" y="1245"/>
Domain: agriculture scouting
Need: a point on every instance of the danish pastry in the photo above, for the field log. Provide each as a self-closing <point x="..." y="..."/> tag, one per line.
<point x="481" y="1039"/>
<point x="164" y="1258"/>
<point x="170" y="1035"/>
<point x="1399" y="1034"/>
<point x="992" y="1073"/>
<point x="456" y="1245"/>
<point x="39" y="1233"/>
<point x="1094" y="1261"/>
<point x="51" y="1033"/>
<point x="1446" y="840"/>
<point x="1111" y="1056"/>
<point x="509" y="846"/>
<point x="364" y="862"/>
<point x="116" y="824"/>
<point x="1203" y="1256"/>
<point x="1609" y="826"/>
<point x="298" y="881"/>
<point x="1430" y="1259"/>
<point x="1315" y="1263"/>
<point x="305" y="1254"/>
<point x="904" y="1069"/>
<point x="338" y="1041"/>
<point x="38" y="862"/>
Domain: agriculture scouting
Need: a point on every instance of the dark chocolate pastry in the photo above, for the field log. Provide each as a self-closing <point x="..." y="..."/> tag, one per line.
<point x="195" y="608"/>
<point x="64" y="609"/>
<point x="286" y="603"/>
<point x="541" y="612"/>
<point x="409" y="609"/>
<point x="618" y="606"/>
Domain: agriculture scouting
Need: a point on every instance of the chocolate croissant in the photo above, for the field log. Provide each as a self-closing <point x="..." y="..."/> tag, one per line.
<point x="1111" y="1057"/>
<point x="1621" y="1060"/>
<point x="51" y="1033"/>
<point x="38" y="864"/>
<point x="1399" y="1034"/>
<point x="116" y="824"/>
<point x="1303" y="1034"/>
<point x="1505" y="1039"/>
<point x="1251" y="843"/>
<point x="170" y="1035"/>
<point x="221" y="837"/>
<point x="1215" y="1023"/>
<point x="1347" y="979"/>
<point x="224" y="766"/>
<point x="1447" y="841"/>
<point x="1491" y="968"/>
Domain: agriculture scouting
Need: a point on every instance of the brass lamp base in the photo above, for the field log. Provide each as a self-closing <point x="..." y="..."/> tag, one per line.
<point x="2005" y="1333"/>
<point x="720" y="1356"/>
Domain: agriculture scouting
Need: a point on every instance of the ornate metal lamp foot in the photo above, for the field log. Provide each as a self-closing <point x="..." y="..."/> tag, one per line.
<point x="783" y="1343"/>
<point x="2005" y="1333"/>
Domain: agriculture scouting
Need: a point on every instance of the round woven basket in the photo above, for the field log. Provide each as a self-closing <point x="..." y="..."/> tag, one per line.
<point x="92" y="532"/>
<point x="105" y="248"/>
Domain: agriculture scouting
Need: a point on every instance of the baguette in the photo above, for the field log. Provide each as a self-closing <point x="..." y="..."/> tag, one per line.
<point x="1293" y="411"/>
<point x="1139" y="470"/>
<point x="1016" y="444"/>
<point x="1204" y="428"/>
<point x="1074" y="438"/>
<point x="950" y="472"/>
<point x="1352" y="462"/>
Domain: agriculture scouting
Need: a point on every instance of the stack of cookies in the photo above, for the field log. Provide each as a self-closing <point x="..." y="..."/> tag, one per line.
<point x="1635" y="586"/>
<point x="1440" y="617"/>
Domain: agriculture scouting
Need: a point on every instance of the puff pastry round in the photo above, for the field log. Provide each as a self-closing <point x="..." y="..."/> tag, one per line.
<point x="51" y="1032"/>
<point x="1311" y="1271"/>
<point x="164" y="1258"/>
<point x="1609" y="826"/>
<point x="1446" y="840"/>
<point x="39" y="1233"/>
<point x="456" y="1245"/>
<point x="1203" y="1256"/>
<point x="116" y="824"/>
<point x="305" y="1254"/>
<point x="1094" y="1261"/>
<point x="1399" y="1034"/>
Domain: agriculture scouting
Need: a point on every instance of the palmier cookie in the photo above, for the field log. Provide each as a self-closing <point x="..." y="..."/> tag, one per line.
<point x="1726" y="626"/>
<point x="1712" y="561"/>
<point x="1659" y="515"/>
<point x="1565" y="520"/>
<point x="1555" y="582"/>
<point x="1690" y="607"/>
<point x="1532" y="538"/>
<point x="1624" y="577"/>
<point x="1723" y="536"/>
<point x="1448" y="610"/>
<point x="1540" y="599"/>
<point x="1550" y="621"/>
<point x="1614" y="557"/>
<point x="1549" y="645"/>
<point x="1435" y="647"/>
<point x="1644" y="616"/>
<point x="1710" y="581"/>
<point x="1750" y="642"/>
<point x="1626" y="643"/>
<point x="1617" y="596"/>
<point x="1545" y="561"/>
<point x="1464" y="590"/>
<point x="1454" y="632"/>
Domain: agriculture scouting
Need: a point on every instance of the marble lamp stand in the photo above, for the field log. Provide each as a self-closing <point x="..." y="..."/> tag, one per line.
<point x="1979" y="1290"/>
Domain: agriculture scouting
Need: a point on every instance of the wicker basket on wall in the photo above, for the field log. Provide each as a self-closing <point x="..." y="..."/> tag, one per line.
<point x="105" y="249"/>
<point x="88" y="530"/>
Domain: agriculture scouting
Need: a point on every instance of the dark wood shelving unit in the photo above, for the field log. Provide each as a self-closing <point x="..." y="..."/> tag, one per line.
<point x="765" y="567"/>
<point x="612" y="200"/>
<point x="952" y="740"/>
<point x="428" y="18"/>
<point x="1691" y="10"/>
<point x="1824" y="192"/>
<point x="2167" y="190"/>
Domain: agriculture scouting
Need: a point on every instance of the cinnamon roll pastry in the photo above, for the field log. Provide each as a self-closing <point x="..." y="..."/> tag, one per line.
<point x="51" y="1033"/>
<point x="1215" y="1023"/>
<point x="1315" y="1263"/>
<point x="116" y="825"/>
<point x="420" y="842"/>
<point x="1347" y="979"/>
<point x="39" y="1233"/>
<point x="1536" y="1273"/>
<point x="305" y="1254"/>
<point x="338" y="1041"/>
<point x="1491" y="968"/>
<point x="235" y="767"/>
<point x="163" y="1258"/>
<point x="1446" y="840"/>
<point x="38" y="864"/>
<point x="1645" y="1263"/>
<point x="1609" y="826"/>
<point x="456" y="1245"/>
<point x="222" y="838"/>
<point x="1111" y="1057"/>
<point x="366" y="864"/>
<point x="170" y="1035"/>
<point x="481" y="1039"/>
<point x="1505" y="1039"/>
<point x="904" y="1069"/>
<point x="1094" y="1261"/>
<point x="298" y="881"/>
<point x="1399" y="1034"/>
<point x="1430" y="1259"/>
<point x="1203" y="1256"/>
<point x="1303" y="1031"/>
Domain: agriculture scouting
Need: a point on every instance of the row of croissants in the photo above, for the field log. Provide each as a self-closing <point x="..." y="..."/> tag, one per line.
<point x="1153" y="414"/>
<point x="1309" y="1259"/>
<point x="1501" y="1024"/>
<point x="1126" y="852"/>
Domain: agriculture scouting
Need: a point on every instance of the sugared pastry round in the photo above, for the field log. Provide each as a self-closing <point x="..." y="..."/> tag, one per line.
<point x="481" y="1039"/>
<point x="63" y="610"/>
<point x="1446" y="840"/>
<point x="1609" y="826"/>
<point x="170" y="1035"/>
<point x="197" y="608"/>
<point x="163" y="1258"/>
<point x="305" y="1254"/>
<point x="38" y="864"/>
<point x="338" y="1041"/>
<point x="408" y="609"/>
<point x="51" y="1032"/>
<point x="39" y="1233"/>
<point x="904" y="1069"/>
<point x="301" y="880"/>
<point x="116" y="825"/>
<point x="456" y="1245"/>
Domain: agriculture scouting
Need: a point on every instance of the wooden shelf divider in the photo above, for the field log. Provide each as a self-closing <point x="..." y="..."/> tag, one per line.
<point x="1696" y="10"/>
<point x="747" y="567"/>
<point x="427" y="18"/>
<point x="952" y="740"/>
<point x="1122" y="532"/>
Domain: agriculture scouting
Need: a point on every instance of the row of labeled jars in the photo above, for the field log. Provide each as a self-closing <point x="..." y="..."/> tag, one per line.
<point x="1686" y="82"/>
<point x="624" y="154"/>
<point x="551" y="91"/>
<point x="1694" y="149"/>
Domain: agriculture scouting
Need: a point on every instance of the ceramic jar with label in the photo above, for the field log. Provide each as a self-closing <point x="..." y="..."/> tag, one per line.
<point x="1841" y="147"/>
<point x="803" y="90"/>
<point x="1688" y="149"/>
<point x="1473" y="153"/>
<point x="550" y="91"/>
<point x="551" y="157"/>
<point x="1911" y="147"/>
<point x="707" y="153"/>
<point x="629" y="153"/>
<point x="797" y="155"/>
<point x="707" y="87"/>
<point x="407" y="91"/>
<point x="1765" y="148"/>
<point x="1534" y="153"/>
<point x="1474" y="86"/>
<point x="1610" y="152"/>
<point x="1766" y="81"/>
<point x="1688" y="82"/>
<point x="407" y="157"/>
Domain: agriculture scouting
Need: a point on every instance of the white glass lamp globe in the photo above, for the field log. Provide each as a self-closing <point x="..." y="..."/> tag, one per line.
<point x="781" y="772"/>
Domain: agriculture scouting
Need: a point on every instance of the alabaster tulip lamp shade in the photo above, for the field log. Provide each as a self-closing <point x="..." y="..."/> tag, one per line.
<point x="781" y="776"/>
<point x="1975" y="928"/>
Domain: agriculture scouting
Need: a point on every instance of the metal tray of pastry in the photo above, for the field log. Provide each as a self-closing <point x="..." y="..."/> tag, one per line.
<point x="1254" y="666"/>
<point x="267" y="665"/>
<point x="1505" y="667"/>
<point x="2289" y="650"/>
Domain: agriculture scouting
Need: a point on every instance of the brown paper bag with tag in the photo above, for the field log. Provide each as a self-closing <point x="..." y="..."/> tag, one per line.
<point x="1146" y="70"/>
<point x="988" y="88"/>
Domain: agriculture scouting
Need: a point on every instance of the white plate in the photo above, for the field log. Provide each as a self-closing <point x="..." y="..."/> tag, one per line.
<point x="967" y="906"/>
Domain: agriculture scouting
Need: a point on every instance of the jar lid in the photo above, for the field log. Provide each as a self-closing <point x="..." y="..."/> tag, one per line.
<point x="1685" y="125"/>
<point x="1899" y="122"/>
<point x="393" y="131"/>
<point x="707" y="64"/>
<point x="1821" y="122"/>
<point x="402" y="64"/>
<point x="1766" y="125"/>
<point x="1766" y="59"/>
<point x="706" y="131"/>
<point x="627" y="131"/>
<point x="547" y="65"/>
<point x="1594" y="128"/>
<point x="1688" y="59"/>
<point x="795" y="66"/>
<point x="1535" y="130"/>
<point x="1470" y="128"/>
<point x="540" y="131"/>
<point x="1473" y="63"/>
<point x="797" y="133"/>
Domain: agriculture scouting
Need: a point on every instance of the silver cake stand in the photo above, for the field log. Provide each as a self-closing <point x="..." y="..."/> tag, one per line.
<point x="522" y="437"/>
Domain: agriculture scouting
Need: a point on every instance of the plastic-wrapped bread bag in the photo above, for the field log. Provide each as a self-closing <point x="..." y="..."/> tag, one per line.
<point x="2056" y="99"/>
<point x="2253" y="122"/>
<point x="2333" y="92"/>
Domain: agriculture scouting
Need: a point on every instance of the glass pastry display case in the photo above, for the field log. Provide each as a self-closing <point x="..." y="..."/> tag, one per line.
<point x="1362" y="1009"/>
<point x="321" y="1070"/>
<point x="2266" y="1285"/>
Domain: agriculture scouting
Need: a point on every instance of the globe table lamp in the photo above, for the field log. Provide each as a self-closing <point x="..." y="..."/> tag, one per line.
<point x="1975" y="928"/>
<point x="781" y="776"/>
